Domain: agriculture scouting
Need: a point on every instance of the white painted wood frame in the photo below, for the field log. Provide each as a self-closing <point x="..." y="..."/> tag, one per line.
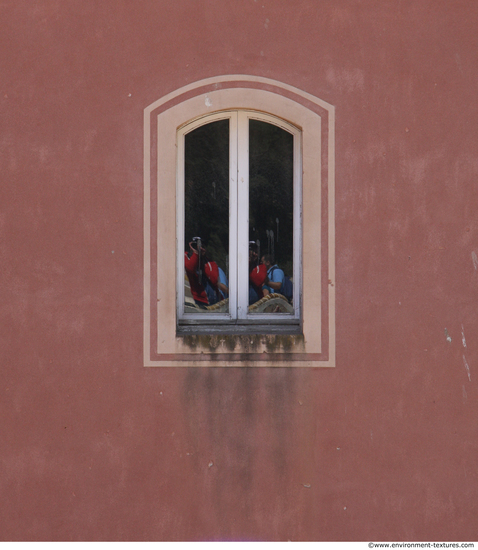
<point x="239" y="220"/>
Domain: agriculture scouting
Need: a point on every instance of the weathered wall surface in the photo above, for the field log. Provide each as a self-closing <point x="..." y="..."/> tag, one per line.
<point x="94" y="445"/>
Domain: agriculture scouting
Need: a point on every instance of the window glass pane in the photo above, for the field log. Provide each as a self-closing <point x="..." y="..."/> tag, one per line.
<point x="207" y="218"/>
<point x="271" y="163"/>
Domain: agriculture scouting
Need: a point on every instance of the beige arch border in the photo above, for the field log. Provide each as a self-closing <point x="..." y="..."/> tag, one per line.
<point x="171" y="350"/>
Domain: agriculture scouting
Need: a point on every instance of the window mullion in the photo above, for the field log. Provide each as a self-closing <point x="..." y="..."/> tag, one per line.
<point x="233" y="215"/>
<point x="243" y="215"/>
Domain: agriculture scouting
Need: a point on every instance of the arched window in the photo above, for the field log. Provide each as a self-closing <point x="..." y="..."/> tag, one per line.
<point x="239" y="195"/>
<point x="241" y="170"/>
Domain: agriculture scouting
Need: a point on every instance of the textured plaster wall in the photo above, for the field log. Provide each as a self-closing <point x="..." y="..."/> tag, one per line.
<point x="95" y="446"/>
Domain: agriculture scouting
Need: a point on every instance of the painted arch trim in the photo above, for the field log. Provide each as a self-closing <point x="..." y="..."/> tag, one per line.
<point x="316" y="118"/>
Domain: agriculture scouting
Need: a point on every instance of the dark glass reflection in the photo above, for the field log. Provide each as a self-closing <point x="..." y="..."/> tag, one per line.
<point x="271" y="166"/>
<point x="207" y="217"/>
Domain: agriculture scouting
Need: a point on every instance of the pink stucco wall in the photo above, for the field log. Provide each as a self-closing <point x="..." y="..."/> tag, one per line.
<point x="93" y="445"/>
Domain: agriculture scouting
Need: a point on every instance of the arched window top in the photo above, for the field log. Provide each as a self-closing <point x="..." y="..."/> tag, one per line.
<point x="258" y="115"/>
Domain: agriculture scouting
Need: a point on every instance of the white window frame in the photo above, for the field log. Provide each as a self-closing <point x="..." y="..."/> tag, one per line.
<point x="238" y="315"/>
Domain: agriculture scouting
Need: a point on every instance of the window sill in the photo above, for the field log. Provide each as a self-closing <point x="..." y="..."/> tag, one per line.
<point x="278" y="326"/>
<point x="217" y="348"/>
